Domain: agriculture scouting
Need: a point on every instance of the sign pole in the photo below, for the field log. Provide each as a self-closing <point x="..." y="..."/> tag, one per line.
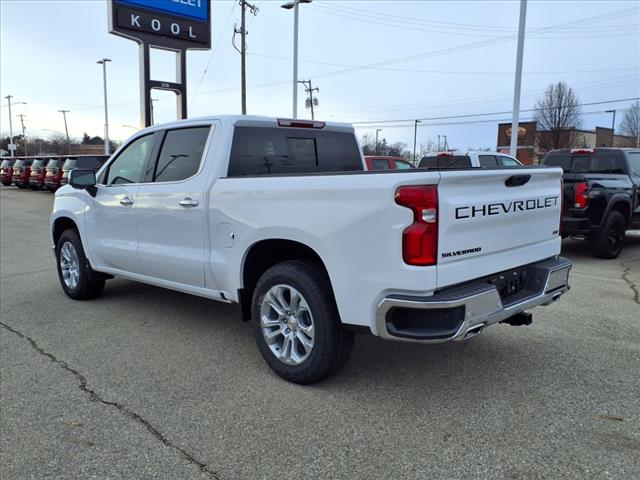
<point x="517" y="88"/>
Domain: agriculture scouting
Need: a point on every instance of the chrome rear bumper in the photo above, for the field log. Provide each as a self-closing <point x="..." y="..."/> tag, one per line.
<point x="462" y="311"/>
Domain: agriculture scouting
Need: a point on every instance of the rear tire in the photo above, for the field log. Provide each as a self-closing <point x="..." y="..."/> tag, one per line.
<point x="608" y="240"/>
<point x="296" y="322"/>
<point x="77" y="278"/>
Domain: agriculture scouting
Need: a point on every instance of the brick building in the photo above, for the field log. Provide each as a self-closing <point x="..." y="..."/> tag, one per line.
<point x="530" y="140"/>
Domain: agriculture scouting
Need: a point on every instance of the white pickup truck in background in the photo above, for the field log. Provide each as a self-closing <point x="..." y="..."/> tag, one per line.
<point x="280" y="217"/>
<point x="456" y="159"/>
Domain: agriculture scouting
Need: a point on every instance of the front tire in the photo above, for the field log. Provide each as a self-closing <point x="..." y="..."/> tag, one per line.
<point x="607" y="242"/>
<point x="296" y="322"/>
<point x="76" y="277"/>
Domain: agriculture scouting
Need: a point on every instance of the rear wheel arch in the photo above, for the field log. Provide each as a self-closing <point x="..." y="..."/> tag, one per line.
<point x="264" y="254"/>
<point x="624" y="207"/>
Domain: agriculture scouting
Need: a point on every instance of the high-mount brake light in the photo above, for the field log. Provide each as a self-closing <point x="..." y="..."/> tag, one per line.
<point x="285" y="122"/>
<point x="445" y="154"/>
<point x="581" y="151"/>
<point x="580" y="196"/>
<point x="420" y="239"/>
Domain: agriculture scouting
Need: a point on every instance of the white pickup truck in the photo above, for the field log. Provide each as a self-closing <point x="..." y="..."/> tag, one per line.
<point x="280" y="217"/>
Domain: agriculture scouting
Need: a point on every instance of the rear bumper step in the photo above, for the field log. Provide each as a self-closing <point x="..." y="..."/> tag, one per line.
<point x="462" y="311"/>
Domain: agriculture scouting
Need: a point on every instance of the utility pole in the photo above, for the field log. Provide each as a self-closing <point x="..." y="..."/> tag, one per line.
<point x="613" y="126"/>
<point x="515" y="122"/>
<point x="24" y="136"/>
<point x="103" y="62"/>
<point x="438" y="142"/>
<point x="64" y="114"/>
<point x="13" y="152"/>
<point x="309" y="89"/>
<point x="446" y="147"/>
<point x="415" y="137"/>
<point x="378" y="130"/>
<point x="243" y="48"/>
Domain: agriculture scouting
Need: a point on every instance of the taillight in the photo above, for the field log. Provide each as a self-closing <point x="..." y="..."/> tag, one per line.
<point x="420" y="239"/>
<point x="580" y="198"/>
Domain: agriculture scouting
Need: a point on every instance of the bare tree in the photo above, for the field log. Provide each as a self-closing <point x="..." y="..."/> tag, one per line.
<point x="558" y="114"/>
<point x="630" y="125"/>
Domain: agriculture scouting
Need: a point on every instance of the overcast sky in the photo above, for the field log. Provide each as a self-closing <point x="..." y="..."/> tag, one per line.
<point x="372" y="60"/>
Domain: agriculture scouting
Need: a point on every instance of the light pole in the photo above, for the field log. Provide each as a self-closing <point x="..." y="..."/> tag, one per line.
<point x="415" y="137"/>
<point x="103" y="62"/>
<point x="64" y="114"/>
<point x="515" y="122"/>
<point x="613" y="126"/>
<point x="288" y="6"/>
<point x="378" y="130"/>
<point x="9" y="97"/>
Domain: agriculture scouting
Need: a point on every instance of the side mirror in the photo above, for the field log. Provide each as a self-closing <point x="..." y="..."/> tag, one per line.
<point x="83" y="180"/>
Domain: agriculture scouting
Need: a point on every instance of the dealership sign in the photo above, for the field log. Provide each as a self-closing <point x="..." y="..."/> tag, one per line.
<point x="174" y="25"/>
<point x="183" y="24"/>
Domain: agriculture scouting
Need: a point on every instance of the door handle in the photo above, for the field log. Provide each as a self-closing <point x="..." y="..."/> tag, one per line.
<point x="126" y="201"/>
<point x="189" y="202"/>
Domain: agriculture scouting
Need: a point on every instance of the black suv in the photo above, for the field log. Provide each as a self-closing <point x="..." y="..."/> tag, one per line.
<point x="83" y="162"/>
<point x="601" y="195"/>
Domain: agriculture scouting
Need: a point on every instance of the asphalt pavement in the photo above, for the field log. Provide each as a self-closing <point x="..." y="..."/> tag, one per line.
<point x="145" y="383"/>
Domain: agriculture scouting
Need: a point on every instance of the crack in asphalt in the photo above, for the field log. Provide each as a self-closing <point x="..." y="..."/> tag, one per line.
<point x="632" y="286"/>
<point x="97" y="398"/>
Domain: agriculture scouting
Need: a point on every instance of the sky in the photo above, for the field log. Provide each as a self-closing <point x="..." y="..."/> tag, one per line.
<point x="373" y="61"/>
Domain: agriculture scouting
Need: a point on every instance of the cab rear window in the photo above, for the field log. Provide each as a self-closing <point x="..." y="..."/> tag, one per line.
<point x="445" y="161"/>
<point x="596" y="162"/>
<point x="273" y="151"/>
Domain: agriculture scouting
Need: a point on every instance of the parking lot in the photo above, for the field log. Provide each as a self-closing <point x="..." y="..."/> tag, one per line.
<point x="149" y="383"/>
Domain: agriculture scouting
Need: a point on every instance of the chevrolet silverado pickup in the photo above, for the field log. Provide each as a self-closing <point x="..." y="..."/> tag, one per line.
<point x="601" y="195"/>
<point x="281" y="217"/>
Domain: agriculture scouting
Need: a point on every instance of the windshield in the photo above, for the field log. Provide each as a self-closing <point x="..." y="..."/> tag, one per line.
<point x="69" y="164"/>
<point x="19" y="163"/>
<point x="5" y="164"/>
<point x="38" y="163"/>
<point x="54" y="163"/>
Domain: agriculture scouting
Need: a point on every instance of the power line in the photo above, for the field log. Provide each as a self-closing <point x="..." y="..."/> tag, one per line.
<point x="449" y="117"/>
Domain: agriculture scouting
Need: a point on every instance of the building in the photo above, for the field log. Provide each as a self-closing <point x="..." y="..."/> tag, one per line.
<point x="532" y="142"/>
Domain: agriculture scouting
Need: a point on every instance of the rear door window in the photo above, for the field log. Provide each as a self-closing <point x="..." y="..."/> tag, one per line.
<point x="634" y="163"/>
<point x="181" y="154"/>
<point x="402" y="165"/>
<point x="507" y="161"/>
<point x="380" y="164"/>
<point x="598" y="162"/>
<point x="265" y="151"/>
<point x="487" y="160"/>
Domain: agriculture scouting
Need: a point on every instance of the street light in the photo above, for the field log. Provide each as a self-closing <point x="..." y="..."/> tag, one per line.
<point x="415" y="136"/>
<point x="9" y="97"/>
<point x="103" y="62"/>
<point x="288" y="6"/>
<point x="378" y="130"/>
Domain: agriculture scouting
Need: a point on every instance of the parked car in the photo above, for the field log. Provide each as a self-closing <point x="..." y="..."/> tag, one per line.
<point x="21" y="172"/>
<point x="279" y="215"/>
<point x="6" y="171"/>
<point x="83" y="162"/>
<point x="53" y="173"/>
<point x="467" y="159"/>
<point x="381" y="162"/>
<point x="601" y="195"/>
<point x="38" y="171"/>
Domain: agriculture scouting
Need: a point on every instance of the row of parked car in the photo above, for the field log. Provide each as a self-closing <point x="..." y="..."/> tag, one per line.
<point x="45" y="172"/>
<point x="445" y="159"/>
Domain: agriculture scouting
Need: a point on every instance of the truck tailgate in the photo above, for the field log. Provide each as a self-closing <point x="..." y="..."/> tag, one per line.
<point x="494" y="220"/>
